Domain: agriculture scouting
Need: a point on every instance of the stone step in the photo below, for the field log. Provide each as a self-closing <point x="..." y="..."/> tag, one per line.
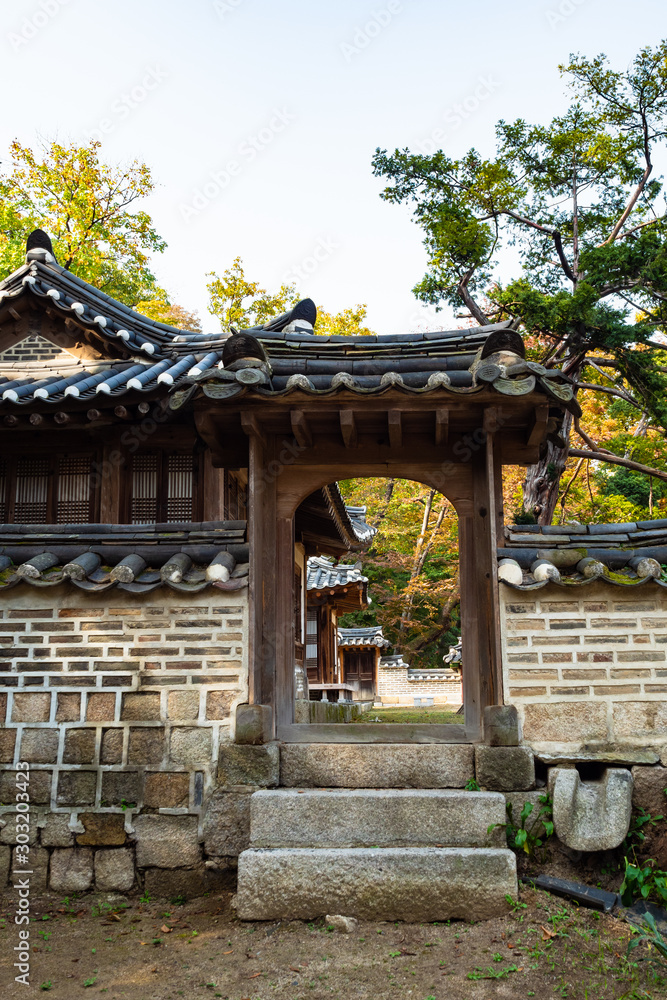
<point x="414" y="884"/>
<point x="376" y="818"/>
<point x="376" y="765"/>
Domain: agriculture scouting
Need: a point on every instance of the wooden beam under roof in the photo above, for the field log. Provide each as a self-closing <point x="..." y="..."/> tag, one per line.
<point x="348" y="428"/>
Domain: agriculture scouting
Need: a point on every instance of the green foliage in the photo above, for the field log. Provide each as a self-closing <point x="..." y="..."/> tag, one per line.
<point x="635" y="836"/>
<point x="472" y="785"/>
<point x="525" y="836"/>
<point x="235" y="301"/>
<point x="643" y="882"/>
<point x="523" y="517"/>
<point x="651" y="936"/>
<point x="88" y="210"/>
<point x="578" y="198"/>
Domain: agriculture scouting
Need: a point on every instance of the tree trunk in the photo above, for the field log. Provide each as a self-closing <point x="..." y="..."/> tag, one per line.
<point x="540" y="488"/>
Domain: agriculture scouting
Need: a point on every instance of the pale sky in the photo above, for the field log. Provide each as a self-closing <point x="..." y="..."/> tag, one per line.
<point x="259" y="119"/>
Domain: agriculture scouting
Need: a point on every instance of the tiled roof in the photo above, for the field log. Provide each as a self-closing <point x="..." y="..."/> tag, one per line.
<point x="363" y="637"/>
<point x="135" y="558"/>
<point x="323" y="574"/>
<point x="575" y="554"/>
<point x="150" y="358"/>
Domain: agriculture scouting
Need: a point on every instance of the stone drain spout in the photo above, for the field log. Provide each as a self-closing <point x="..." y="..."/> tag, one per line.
<point x="592" y="815"/>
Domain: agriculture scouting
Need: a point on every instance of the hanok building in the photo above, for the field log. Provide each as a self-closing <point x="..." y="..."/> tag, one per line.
<point x="161" y="494"/>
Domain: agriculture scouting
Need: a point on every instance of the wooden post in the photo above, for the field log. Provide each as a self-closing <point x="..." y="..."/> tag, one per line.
<point x="271" y="536"/>
<point x="480" y="611"/>
<point x="260" y="514"/>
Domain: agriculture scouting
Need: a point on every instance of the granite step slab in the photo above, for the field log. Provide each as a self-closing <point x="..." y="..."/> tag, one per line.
<point x="414" y="884"/>
<point x="289" y="817"/>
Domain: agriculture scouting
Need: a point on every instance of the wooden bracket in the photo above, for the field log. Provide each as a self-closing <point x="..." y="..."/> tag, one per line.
<point x="441" y="427"/>
<point x="491" y="422"/>
<point x="301" y="429"/>
<point x="252" y="427"/>
<point x="348" y="428"/>
<point x="539" y="429"/>
<point x="395" y="428"/>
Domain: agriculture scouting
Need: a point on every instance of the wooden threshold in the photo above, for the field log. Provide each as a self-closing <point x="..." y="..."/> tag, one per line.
<point x="378" y="732"/>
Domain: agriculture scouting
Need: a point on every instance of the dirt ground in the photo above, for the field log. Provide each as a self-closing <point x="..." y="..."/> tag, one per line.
<point x="127" y="948"/>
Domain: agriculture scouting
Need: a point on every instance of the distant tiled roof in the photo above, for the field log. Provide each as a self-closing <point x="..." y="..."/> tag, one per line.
<point x="575" y="554"/>
<point x="363" y="637"/>
<point x="325" y="575"/>
<point x="362" y="529"/>
<point x="135" y="558"/>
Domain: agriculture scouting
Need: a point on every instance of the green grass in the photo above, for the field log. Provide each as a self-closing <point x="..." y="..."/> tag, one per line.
<point x="435" y="715"/>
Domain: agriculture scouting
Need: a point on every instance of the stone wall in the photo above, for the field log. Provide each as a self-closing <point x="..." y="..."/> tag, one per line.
<point x="395" y="686"/>
<point x="587" y="665"/>
<point x="121" y="707"/>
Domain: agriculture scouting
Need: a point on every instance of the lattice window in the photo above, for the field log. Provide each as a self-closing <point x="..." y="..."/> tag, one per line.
<point x="144" y="501"/>
<point x="74" y="490"/>
<point x="180" y="488"/>
<point x="312" y="644"/>
<point x="163" y="488"/>
<point x="31" y="503"/>
<point x="48" y="489"/>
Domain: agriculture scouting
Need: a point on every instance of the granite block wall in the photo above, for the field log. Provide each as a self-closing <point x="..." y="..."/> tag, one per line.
<point x="117" y="708"/>
<point x="586" y="665"/>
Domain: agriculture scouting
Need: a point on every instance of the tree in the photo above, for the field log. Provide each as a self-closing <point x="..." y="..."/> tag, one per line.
<point x="162" y="310"/>
<point x="346" y="323"/>
<point x="579" y="199"/>
<point x="412" y="567"/>
<point x="87" y="208"/>
<point x="242" y="303"/>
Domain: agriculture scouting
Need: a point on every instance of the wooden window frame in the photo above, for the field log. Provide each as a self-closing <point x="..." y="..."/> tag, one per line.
<point x="54" y="463"/>
<point x="162" y="481"/>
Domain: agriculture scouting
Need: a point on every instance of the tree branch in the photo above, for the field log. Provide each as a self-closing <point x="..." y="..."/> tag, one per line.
<point x="474" y="309"/>
<point x="555" y="235"/>
<point x="600" y="456"/>
<point x="638" y="190"/>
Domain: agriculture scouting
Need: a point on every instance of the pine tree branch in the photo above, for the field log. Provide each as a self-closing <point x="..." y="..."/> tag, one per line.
<point x="605" y="456"/>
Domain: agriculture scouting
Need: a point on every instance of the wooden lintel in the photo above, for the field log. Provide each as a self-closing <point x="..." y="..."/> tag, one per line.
<point x="539" y="429"/>
<point x="395" y="428"/>
<point x="301" y="429"/>
<point x="252" y="427"/>
<point x="441" y="427"/>
<point x="348" y="428"/>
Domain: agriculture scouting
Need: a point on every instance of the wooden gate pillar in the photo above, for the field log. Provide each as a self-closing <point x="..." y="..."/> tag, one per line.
<point x="271" y="536"/>
<point x="480" y="609"/>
